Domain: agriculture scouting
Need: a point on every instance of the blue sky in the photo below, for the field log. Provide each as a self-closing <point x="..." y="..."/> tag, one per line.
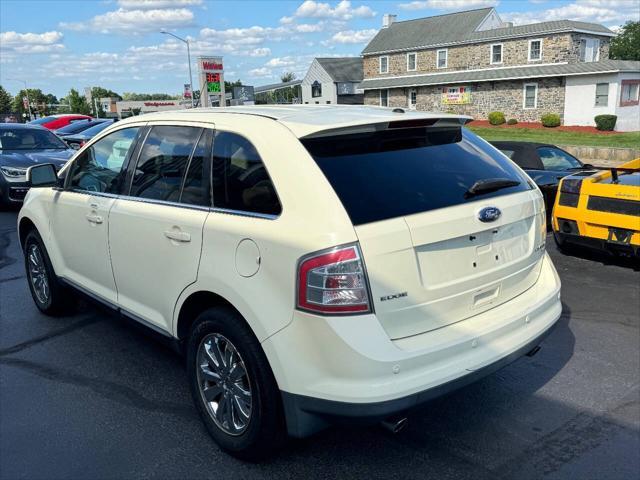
<point x="58" y="45"/>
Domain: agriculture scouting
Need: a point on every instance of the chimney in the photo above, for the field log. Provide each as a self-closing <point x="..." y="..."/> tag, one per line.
<point x="507" y="24"/>
<point x="388" y="19"/>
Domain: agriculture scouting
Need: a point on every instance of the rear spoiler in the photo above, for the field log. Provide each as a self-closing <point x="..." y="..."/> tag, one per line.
<point x="614" y="171"/>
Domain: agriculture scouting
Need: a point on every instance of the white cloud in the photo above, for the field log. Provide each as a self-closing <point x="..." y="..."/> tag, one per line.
<point x="281" y="62"/>
<point x="135" y="21"/>
<point x="597" y="11"/>
<point x="260" y="52"/>
<point x="260" y="72"/>
<point x="286" y="20"/>
<point x="352" y="36"/>
<point x="31" y="42"/>
<point x="448" y="4"/>
<point x="342" y="10"/>
<point x="155" y="4"/>
<point x="308" y="27"/>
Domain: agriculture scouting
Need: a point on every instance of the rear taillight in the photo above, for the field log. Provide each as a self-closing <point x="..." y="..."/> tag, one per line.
<point x="333" y="282"/>
<point x="571" y="185"/>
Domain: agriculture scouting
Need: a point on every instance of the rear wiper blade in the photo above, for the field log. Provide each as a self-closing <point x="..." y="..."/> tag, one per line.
<point x="490" y="185"/>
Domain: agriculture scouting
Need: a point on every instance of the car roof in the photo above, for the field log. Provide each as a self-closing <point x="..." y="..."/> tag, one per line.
<point x="22" y="125"/>
<point x="303" y="120"/>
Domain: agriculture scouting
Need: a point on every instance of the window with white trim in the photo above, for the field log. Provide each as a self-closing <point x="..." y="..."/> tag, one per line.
<point x="535" y="50"/>
<point x="496" y="53"/>
<point x="602" y="95"/>
<point x="384" y="64"/>
<point x="441" y="61"/>
<point x="589" y="49"/>
<point x="530" y="96"/>
<point x="384" y="98"/>
<point x="412" y="61"/>
<point x="629" y="93"/>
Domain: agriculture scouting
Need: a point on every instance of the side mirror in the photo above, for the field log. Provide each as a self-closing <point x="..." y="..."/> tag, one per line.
<point x="44" y="175"/>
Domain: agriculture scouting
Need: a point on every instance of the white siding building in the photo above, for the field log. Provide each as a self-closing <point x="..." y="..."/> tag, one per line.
<point x="333" y="81"/>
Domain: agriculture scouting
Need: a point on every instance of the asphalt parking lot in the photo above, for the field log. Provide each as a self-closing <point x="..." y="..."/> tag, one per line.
<point x="90" y="396"/>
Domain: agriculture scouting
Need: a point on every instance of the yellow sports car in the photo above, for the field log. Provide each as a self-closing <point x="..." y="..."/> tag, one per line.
<point x="600" y="210"/>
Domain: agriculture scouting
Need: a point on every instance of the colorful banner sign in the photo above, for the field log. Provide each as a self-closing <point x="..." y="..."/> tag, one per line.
<point x="456" y="95"/>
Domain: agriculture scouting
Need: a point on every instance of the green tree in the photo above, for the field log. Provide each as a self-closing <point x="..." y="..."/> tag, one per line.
<point x="287" y="77"/>
<point x="5" y="101"/>
<point x="98" y="93"/>
<point x="75" y="103"/>
<point x="228" y="86"/>
<point x="131" y="96"/>
<point x="626" y="45"/>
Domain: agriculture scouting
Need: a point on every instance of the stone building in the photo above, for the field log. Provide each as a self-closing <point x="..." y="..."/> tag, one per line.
<point x="474" y="63"/>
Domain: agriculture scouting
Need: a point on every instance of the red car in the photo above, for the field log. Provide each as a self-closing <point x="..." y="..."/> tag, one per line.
<point x="53" y="122"/>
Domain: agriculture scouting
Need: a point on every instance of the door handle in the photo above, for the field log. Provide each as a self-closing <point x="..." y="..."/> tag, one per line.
<point x="96" y="219"/>
<point x="177" y="236"/>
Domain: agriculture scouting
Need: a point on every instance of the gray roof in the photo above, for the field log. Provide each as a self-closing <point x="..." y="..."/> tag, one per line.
<point x="459" y="28"/>
<point x="495" y="74"/>
<point x="346" y="69"/>
<point x="276" y="86"/>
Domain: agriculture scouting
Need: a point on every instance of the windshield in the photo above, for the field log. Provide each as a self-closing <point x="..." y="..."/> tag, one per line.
<point x="76" y="127"/>
<point x="397" y="172"/>
<point x="40" y="121"/>
<point x="96" y="129"/>
<point x="29" y="139"/>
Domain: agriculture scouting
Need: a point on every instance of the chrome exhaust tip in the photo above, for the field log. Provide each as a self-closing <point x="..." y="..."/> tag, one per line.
<point x="394" y="425"/>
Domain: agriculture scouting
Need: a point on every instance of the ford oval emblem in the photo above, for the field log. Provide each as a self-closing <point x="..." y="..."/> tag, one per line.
<point x="489" y="214"/>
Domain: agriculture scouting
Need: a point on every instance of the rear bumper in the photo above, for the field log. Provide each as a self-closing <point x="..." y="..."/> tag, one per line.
<point x="306" y="415"/>
<point x="347" y="367"/>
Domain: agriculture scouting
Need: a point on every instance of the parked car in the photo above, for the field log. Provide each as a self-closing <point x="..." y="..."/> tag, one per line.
<point x="80" y="126"/>
<point x="22" y="146"/>
<point x="53" y="122"/>
<point x="600" y="211"/>
<point x="77" y="140"/>
<point x="314" y="263"/>
<point x="546" y="164"/>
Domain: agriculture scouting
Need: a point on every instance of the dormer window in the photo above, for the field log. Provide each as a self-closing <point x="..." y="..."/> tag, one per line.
<point x="535" y="50"/>
<point x="496" y="53"/>
<point x="589" y="49"/>
<point x="384" y="64"/>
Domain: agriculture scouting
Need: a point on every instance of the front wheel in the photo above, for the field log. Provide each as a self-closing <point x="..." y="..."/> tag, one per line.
<point x="233" y="387"/>
<point x="48" y="294"/>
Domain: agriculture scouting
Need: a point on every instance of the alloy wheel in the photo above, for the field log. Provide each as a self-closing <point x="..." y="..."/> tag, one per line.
<point x="38" y="274"/>
<point x="224" y="384"/>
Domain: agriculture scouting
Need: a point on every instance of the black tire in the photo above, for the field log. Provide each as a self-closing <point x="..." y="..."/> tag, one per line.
<point x="265" y="430"/>
<point x="59" y="300"/>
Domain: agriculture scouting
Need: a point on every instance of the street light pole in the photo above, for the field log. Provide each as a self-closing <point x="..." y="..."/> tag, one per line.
<point x="26" y="92"/>
<point x="189" y="60"/>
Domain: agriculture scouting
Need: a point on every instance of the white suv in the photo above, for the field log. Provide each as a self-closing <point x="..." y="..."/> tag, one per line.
<point x="313" y="262"/>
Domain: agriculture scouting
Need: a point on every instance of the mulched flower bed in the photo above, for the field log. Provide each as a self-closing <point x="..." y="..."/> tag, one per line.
<point x="536" y="125"/>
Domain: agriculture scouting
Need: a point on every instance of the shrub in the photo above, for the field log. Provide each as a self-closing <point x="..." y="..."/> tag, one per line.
<point x="605" y="122"/>
<point x="512" y="121"/>
<point x="496" y="118"/>
<point x="550" y="120"/>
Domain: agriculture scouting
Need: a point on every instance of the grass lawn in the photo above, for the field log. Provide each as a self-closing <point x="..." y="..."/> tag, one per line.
<point x="557" y="137"/>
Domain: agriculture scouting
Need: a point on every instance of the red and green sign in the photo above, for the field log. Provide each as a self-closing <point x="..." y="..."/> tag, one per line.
<point x="213" y="82"/>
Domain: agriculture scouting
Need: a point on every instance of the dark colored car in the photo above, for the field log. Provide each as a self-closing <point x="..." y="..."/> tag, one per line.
<point x="79" y="139"/>
<point x="22" y="146"/>
<point x="79" y="126"/>
<point x="546" y="164"/>
<point x="53" y="122"/>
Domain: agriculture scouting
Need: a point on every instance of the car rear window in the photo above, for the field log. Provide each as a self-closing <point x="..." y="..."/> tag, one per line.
<point x="397" y="172"/>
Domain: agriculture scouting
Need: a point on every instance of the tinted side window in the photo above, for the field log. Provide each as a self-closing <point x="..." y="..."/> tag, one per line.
<point x="101" y="167"/>
<point x="240" y="179"/>
<point x="556" y="159"/>
<point x="163" y="161"/>
<point x="196" y="190"/>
